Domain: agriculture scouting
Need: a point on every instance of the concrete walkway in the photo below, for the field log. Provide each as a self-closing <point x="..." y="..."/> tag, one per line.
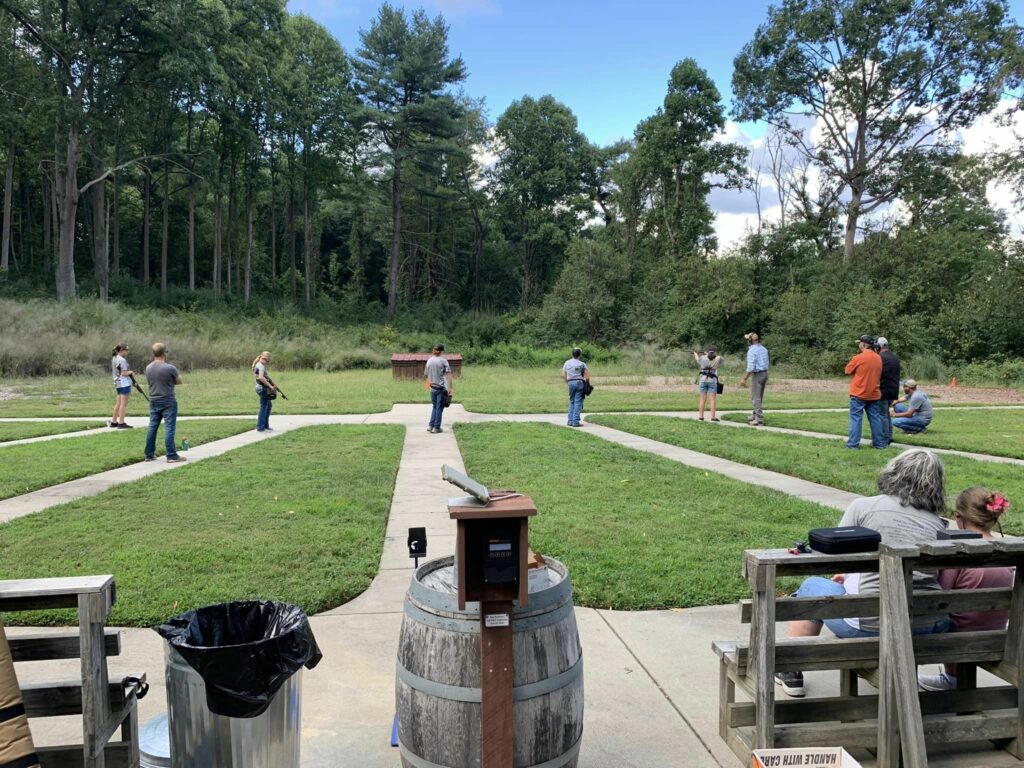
<point x="59" y="436"/>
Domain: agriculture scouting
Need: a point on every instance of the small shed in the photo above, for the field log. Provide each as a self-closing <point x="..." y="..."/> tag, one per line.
<point x="409" y="365"/>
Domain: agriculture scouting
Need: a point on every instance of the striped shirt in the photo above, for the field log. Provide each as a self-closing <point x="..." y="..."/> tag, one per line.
<point x="757" y="359"/>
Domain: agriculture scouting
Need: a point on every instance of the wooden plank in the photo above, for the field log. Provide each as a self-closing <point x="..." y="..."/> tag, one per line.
<point x="66" y="645"/>
<point x="726" y="698"/>
<point x="42" y="588"/>
<point x="118" y="755"/>
<point x="937" y="730"/>
<point x="762" y="652"/>
<point x="1009" y="544"/>
<point x="783" y="559"/>
<point x="496" y="677"/>
<point x="842" y="708"/>
<point x="92" y="611"/>
<point x="846" y="606"/>
<point x="810" y="654"/>
<point x="848" y="683"/>
<point x="53" y="699"/>
<point x="1014" y="656"/>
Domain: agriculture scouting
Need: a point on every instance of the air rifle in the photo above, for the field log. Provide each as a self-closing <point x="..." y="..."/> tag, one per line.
<point x="276" y="388"/>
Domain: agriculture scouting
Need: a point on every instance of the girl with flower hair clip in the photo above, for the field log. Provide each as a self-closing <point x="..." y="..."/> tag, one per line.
<point x="977" y="509"/>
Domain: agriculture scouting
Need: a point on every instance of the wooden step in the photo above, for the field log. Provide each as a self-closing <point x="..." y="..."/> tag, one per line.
<point x="65" y="645"/>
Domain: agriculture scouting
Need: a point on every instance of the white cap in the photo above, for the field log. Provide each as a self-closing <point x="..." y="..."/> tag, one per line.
<point x="882" y="341"/>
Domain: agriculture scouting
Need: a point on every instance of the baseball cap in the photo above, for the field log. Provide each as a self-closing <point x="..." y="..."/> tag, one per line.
<point x="867" y="339"/>
<point x="910" y="383"/>
<point x="882" y="341"/>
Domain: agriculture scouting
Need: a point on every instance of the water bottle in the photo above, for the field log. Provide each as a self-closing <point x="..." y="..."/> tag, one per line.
<point x="184" y="444"/>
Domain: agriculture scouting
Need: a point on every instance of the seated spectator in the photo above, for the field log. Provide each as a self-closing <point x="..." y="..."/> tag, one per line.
<point x="913" y="412"/>
<point x="907" y="511"/>
<point x="977" y="509"/>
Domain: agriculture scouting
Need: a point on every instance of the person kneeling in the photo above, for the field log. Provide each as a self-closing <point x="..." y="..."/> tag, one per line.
<point x="907" y="511"/>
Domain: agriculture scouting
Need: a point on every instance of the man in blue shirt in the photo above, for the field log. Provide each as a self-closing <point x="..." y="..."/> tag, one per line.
<point x="912" y="412"/>
<point x="757" y="371"/>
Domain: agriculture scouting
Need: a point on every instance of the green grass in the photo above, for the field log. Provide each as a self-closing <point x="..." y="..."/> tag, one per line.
<point x="25" y="430"/>
<point x="25" y="468"/>
<point x="300" y="517"/>
<point x="821" y="461"/>
<point x="486" y="389"/>
<point x="637" y="531"/>
<point x="990" y="431"/>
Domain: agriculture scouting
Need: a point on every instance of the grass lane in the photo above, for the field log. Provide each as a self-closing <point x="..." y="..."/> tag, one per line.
<point x="637" y="531"/>
<point x="300" y="517"/>
<point x="821" y="461"/>
<point x="25" y="468"/>
<point x="25" y="430"/>
<point x="486" y="389"/>
<point x="997" y="432"/>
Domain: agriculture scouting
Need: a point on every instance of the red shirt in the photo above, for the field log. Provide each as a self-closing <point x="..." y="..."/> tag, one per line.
<point x="977" y="578"/>
<point x="866" y="368"/>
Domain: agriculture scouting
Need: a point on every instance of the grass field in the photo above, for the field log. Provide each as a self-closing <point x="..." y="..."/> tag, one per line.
<point x="821" y="461"/>
<point x="300" y="518"/>
<point x="636" y="531"/>
<point x="492" y="389"/>
<point x="25" y="430"/>
<point x="25" y="468"/>
<point x="979" y="430"/>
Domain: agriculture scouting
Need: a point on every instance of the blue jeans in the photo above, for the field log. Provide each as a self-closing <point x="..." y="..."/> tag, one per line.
<point x="912" y="425"/>
<point x="816" y="586"/>
<point x="263" y="419"/>
<point x="437" y="400"/>
<point x="166" y="411"/>
<point x="575" y="402"/>
<point x="885" y="405"/>
<point x="873" y="408"/>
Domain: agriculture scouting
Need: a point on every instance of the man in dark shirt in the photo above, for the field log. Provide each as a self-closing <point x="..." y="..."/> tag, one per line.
<point x="890" y="383"/>
<point x="163" y="405"/>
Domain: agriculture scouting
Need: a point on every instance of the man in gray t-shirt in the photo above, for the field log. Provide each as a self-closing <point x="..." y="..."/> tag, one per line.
<point x="163" y="406"/>
<point x="439" y="377"/>
<point x="576" y="375"/>
<point x="913" y="412"/>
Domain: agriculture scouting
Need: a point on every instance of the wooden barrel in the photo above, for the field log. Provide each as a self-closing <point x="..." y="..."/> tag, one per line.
<point x="437" y="686"/>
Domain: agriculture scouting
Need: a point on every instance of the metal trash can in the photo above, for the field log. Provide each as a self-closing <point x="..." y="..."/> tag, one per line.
<point x="201" y="739"/>
<point x="234" y="684"/>
<point x="154" y="744"/>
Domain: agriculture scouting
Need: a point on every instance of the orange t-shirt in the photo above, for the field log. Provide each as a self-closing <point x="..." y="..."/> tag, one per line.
<point x="866" y="368"/>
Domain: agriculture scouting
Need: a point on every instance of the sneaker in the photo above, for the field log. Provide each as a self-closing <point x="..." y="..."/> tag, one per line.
<point x="175" y="459"/>
<point x="792" y="683"/>
<point x="939" y="682"/>
<point x="430" y="430"/>
<point x="151" y="458"/>
<point x="122" y="425"/>
<point x="716" y="419"/>
<point x="438" y="430"/>
<point x="757" y="423"/>
<point x="112" y="424"/>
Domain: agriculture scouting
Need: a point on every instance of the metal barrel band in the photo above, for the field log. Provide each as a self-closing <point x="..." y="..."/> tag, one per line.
<point x="449" y="602"/>
<point x="474" y="614"/>
<point x="563" y="759"/>
<point x="473" y="695"/>
<point x="471" y="625"/>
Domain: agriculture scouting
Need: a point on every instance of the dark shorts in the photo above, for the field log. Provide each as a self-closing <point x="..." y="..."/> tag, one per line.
<point x="124" y="390"/>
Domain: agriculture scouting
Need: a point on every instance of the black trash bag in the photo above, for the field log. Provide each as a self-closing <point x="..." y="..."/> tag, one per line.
<point x="244" y="651"/>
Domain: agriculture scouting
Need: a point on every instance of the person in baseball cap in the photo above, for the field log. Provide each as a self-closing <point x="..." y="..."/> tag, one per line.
<point x="890" y="383"/>
<point x="865" y="368"/>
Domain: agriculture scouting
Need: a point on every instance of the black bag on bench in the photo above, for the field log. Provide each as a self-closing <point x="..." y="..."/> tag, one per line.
<point x="843" y="541"/>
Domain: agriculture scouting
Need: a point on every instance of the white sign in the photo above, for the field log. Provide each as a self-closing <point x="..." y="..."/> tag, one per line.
<point x="496" y="620"/>
<point x="815" y="757"/>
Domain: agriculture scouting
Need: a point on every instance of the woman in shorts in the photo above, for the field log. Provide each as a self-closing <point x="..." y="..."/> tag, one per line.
<point x="122" y="386"/>
<point x="708" y="381"/>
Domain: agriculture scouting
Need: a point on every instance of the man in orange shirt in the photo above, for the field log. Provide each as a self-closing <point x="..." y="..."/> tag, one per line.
<point x="866" y="393"/>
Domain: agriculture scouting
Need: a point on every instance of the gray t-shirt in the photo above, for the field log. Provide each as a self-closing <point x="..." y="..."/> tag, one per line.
<point x="897" y="524"/>
<point x="117" y="365"/>
<point x="707" y="364"/>
<point x="436" y="370"/>
<point x="921" y="405"/>
<point x="574" y="368"/>
<point x="161" y="377"/>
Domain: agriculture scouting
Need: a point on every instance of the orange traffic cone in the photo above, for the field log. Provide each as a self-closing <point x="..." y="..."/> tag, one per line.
<point x="953" y="383"/>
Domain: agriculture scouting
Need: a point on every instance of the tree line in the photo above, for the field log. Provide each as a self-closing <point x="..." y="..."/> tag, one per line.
<point x="229" y="147"/>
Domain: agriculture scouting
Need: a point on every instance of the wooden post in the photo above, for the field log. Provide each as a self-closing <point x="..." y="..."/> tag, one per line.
<point x="496" y="671"/>
<point x="762" y="655"/>
<point x="93" y="609"/>
<point x="1014" y="655"/>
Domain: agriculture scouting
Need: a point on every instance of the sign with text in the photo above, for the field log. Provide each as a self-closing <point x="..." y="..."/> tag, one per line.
<point x="815" y="757"/>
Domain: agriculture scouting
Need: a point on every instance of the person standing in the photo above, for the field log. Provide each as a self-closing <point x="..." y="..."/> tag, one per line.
<point x="122" y="386"/>
<point x="708" y="381"/>
<point x="912" y="413"/>
<point x="757" y="370"/>
<point x="265" y="389"/>
<point x="865" y="393"/>
<point x="576" y="375"/>
<point x="439" y="376"/>
<point x="890" y="384"/>
<point x="163" y="405"/>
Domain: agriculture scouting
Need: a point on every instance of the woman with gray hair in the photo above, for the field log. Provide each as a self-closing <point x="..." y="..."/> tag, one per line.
<point x="908" y="510"/>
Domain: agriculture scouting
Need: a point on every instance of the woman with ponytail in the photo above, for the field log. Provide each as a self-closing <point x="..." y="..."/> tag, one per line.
<point x="265" y="389"/>
<point x="977" y="509"/>
<point x="122" y="385"/>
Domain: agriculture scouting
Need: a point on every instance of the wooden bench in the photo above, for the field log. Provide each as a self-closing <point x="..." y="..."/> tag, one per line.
<point x="106" y="707"/>
<point x="875" y="722"/>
